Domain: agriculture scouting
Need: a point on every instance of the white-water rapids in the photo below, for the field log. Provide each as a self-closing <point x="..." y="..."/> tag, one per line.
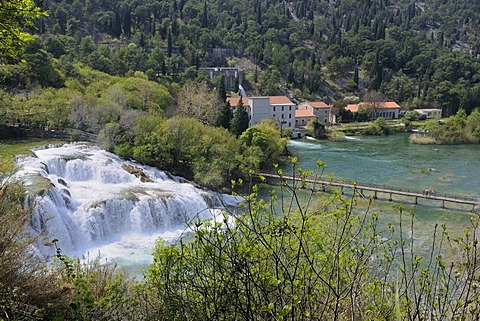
<point x="91" y="201"/>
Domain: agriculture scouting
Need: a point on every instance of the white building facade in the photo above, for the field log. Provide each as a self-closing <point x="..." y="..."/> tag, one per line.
<point x="319" y="109"/>
<point x="279" y="108"/>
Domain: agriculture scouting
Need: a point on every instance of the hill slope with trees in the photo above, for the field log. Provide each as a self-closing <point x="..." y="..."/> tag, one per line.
<point x="421" y="54"/>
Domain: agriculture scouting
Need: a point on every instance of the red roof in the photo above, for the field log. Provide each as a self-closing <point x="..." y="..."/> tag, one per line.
<point x="280" y="100"/>
<point x="317" y="104"/>
<point x="380" y="105"/>
<point x="300" y="113"/>
<point x="383" y="104"/>
<point x="233" y="101"/>
<point x="352" y="107"/>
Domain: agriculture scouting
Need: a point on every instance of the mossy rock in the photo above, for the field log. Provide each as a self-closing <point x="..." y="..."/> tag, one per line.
<point x="137" y="172"/>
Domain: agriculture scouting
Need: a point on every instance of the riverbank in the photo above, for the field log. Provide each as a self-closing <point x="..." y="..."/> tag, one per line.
<point x="12" y="148"/>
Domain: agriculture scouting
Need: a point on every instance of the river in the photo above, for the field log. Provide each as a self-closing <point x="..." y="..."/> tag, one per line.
<point x="394" y="162"/>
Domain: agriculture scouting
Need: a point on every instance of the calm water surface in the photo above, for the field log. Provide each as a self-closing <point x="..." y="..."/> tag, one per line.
<point x="394" y="162"/>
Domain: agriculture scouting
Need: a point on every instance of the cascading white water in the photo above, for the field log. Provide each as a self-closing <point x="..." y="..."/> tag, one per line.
<point x="92" y="201"/>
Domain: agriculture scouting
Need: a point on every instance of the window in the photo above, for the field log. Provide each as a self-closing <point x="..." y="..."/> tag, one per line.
<point x="289" y="115"/>
<point x="273" y="115"/>
<point x="290" y="108"/>
<point x="273" y="110"/>
<point x="289" y="124"/>
<point x="282" y="108"/>
<point x="283" y="116"/>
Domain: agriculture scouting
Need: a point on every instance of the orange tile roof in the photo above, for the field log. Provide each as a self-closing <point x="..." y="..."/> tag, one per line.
<point x="384" y="104"/>
<point x="352" y="107"/>
<point x="233" y="101"/>
<point x="317" y="104"/>
<point x="381" y="105"/>
<point x="280" y="100"/>
<point x="303" y="113"/>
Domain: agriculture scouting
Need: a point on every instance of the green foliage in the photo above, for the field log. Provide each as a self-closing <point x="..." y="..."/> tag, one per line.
<point x="28" y="290"/>
<point x="144" y="95"/>
<point x="329" y="261"/>
<point x="316" y="129"/>
<point x="98" y="290"/>
<point x="458" y="129"/>
<point x="15" y="16"/>
<point x="240" y="120"/>
<point x="266" y="138"/>
<point x="378" y="127"/>
<point x="211" y="156"/>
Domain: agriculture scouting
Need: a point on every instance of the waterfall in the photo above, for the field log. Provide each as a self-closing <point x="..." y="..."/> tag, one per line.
<point x="92" y="201"/>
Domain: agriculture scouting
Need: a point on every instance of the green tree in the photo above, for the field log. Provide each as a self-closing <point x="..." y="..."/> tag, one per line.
<point x="153" y="142"/>
<point x="316" y="128"/>
<point x="15" y="15"/>
<point x="473" y="126"/>
<point x="266" y="137"/>
<point x="240" y="120"/>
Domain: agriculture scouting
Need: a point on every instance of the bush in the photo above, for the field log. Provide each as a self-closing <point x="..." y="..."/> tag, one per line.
<point x="330" y="262"/>
<point x="28" y="290"/>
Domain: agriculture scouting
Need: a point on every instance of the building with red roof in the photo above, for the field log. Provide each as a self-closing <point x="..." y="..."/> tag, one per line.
<point x="279" y="108"/>
<point x="385" y="109"/>
<point x="319" y="109"/>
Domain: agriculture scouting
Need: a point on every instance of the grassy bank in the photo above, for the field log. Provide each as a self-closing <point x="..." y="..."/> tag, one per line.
<point x="9" y="149"/>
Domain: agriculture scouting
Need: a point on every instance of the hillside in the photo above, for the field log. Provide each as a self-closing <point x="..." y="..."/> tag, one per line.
<point x="420" y="54"/>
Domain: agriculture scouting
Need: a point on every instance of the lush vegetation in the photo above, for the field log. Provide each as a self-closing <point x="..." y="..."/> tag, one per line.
<point x="14" y="148"/>
<point x="286" y="258"/>
<point x="129" y="114"/>
<point x="418" y="54"/>
<point x="457" y="129"/>
<point x="129" y="71"/>
<point x="15" y="16"/>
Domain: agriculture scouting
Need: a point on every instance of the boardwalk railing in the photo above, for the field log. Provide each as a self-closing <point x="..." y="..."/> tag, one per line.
<point x="416" y="194"/>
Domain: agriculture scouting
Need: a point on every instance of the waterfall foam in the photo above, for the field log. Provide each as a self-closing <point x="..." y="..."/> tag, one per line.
<point x="87" y="199"/>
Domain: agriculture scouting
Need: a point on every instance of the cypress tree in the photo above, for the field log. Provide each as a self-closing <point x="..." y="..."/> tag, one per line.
<point x="240" y="119"/>
<point x="169" y="45"/>
<point x="205" y="15"/>
<point x="355" y="74"/>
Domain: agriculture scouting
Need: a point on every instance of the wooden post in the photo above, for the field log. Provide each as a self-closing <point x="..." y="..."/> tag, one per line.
<point x="341" y="190"/>
<point x="443" y="203"/>
<point x="390" y="199"/>
<point x="375" y="195"/>
<point x="416" y="200"/>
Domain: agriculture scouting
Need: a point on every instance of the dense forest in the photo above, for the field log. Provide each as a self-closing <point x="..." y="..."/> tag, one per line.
<point x="420" y="54"/>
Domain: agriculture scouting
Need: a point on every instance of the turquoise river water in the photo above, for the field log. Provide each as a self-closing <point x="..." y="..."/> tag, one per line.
<point x="392" y="161"/>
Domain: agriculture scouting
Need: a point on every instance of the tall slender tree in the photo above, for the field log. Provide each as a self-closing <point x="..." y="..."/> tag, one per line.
<point x="240" y="119"/>
<point x="205" y="15"/>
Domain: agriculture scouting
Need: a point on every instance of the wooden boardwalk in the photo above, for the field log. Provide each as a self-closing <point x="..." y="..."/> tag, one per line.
<point x="321" y="184"/>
